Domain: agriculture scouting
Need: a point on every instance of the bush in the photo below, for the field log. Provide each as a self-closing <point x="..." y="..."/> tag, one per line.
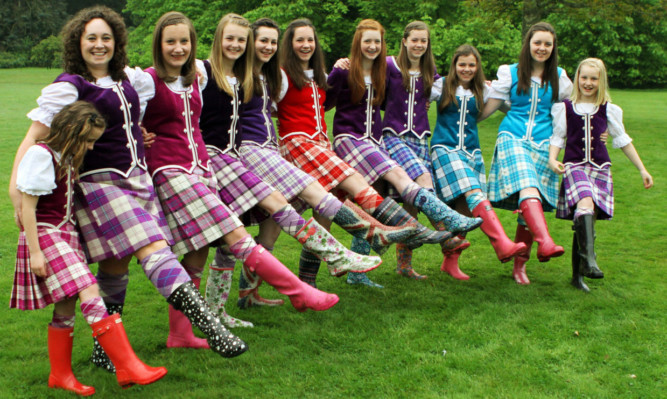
<point x="47" y="53"/>
<point x="13" y="60"/>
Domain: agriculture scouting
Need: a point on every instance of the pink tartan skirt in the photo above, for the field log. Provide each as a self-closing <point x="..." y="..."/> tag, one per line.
<point x="316" y="158"/>
<point x="267" y="164"/>
<point x="67" y="273"/>
<point x="239" y="188"/>
<point x="195" y="214"/>
<point x="370" y="160"/>
<point x="117" y="216"/>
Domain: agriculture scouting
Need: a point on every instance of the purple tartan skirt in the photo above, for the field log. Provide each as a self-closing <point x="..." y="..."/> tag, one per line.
<point x="238" y="187"/>
<point x="267" y="164"/>
<point x="370" y="160"/>
<point x="195" y="214"/>
<point x="117" y="216"/>
<point x="67" y="272"/>
<point x="581" y="181"/>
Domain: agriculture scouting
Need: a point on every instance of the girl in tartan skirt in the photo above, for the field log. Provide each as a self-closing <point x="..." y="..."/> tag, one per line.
<point x="50" y="264"/>
<point x="459" y="173"/>
<point x="586" y="193"/>
<point x="258" y="150"/>
<point x="187" y="186"/>
<point x="520" y="176"/>
<point x="228" y="86"/>
<point x="412" y="83"/>
<point x="116" y="206"/>
<point x="357" y="94"/>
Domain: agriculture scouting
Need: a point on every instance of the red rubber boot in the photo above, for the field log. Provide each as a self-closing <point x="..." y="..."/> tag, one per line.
<point x="111" y="335"/>
<point x="520" y="259"/>
<point x="504" y="247"/>
<point x="60" y="357"/>
<point x="533" y="214"/>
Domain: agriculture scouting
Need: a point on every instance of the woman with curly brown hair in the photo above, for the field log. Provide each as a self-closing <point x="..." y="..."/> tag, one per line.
<point x="116" y="206"/>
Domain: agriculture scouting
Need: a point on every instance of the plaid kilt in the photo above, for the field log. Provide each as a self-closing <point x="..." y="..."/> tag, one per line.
<point x="117" y="216"/>
<point x="67" y="272"/>
<point x="366" y="157"/>
<point x="268" y="165"/>
<point x="581" y="181"/>
<point x="239" y="188"/>
<point x="316" y="158"/>
<point x="457" y="172"/>
<point x="410" y="152"/>
<point x="518" y="164"/>
<point x="194" y="212"/>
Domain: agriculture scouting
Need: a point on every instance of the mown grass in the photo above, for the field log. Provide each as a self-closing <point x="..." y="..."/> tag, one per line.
<point x="501" y="340"/>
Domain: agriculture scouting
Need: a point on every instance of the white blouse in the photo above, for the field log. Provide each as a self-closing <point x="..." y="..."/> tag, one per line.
<point x="36" y="174"/>
<point x="462" y="92"/>
<point x="500" y="89"/>
<point x="57" y="95"/>
<point x="284" y="85"/>
<point x="614" y="123"/>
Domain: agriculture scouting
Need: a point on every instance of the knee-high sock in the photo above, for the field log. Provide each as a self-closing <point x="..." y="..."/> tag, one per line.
<point x="62" y="320"/>
<point x="368" y="199"/>
<point x="94" y="310"/>
<point x="289" y="220"/>
<point x="243" y="248"/>
<point x="112" y="287"/>
<point x="164" y="271"/>
<point x="475" y="199"/>
<point x="328" y="207"/>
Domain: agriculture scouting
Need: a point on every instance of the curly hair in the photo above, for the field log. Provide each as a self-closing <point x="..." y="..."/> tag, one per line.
<point x="73" y="30"/>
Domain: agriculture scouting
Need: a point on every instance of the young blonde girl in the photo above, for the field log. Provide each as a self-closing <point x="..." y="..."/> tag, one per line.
<point x="458" y="166"/>
<point x="586" y="193"/>
<point x="50" y="264"/>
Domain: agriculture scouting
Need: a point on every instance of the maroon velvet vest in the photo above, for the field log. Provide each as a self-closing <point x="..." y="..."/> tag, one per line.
<point x="56" y="208"/>
<point x="174" y="118"/>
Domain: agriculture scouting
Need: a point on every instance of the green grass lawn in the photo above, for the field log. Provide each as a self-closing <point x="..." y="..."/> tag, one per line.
<point x="501" y="340"/>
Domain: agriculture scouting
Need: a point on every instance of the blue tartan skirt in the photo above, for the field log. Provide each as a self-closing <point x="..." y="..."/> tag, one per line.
<point x="456" y="172"/>
<point x="520" y="164"/>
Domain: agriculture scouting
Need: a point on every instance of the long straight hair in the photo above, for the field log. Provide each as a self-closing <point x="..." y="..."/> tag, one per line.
<point x="242" y="67"/>
<point x="70" y="131"/>
<point x="603" y="86"/>
<point x="290" y="61"/>
<point x="271" y="69"/>
<point x="550" y="73"/>
<point x="188" y="70"/>
<point x="426" y="63"/>
<point x="378" y="70"/>
<point x="452" y="80"/>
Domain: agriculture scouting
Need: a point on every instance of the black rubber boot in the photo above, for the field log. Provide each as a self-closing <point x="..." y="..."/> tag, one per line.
<point x="577" y="278"/>
<point x="585" y="233"/>
<point x="188" y="300"/>
<point x="99" y="358"/>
